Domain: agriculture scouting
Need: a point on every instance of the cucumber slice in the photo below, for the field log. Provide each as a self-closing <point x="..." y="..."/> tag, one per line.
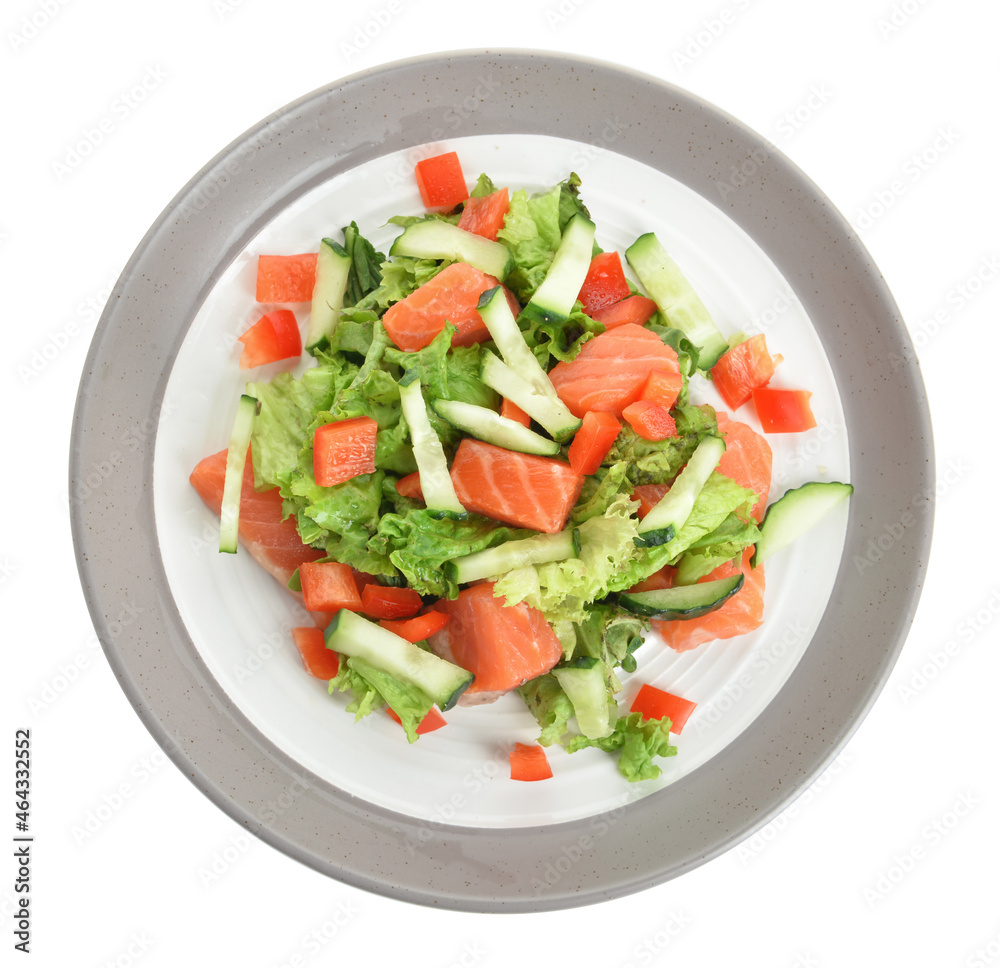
<point x="553" y="300"/>
<point x="536" y="550"/>
<point x="674" y="508"/>
<point x="552" y="414"/>
<point x="236" y="458"/>
<point x="333" y="266"/>
<point x="794" y="513"/>
<point x="435" y="481"/>
<point x="443" y="681"/>
<point x="683" y="601"/>
<point x="488" y="425"/>
<point x="434" y="239"/>
<point x="595" y="708"/>
<point x="673" y="295"/>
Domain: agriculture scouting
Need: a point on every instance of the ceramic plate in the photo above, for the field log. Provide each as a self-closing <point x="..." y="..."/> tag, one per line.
<point x="209" y="664"/>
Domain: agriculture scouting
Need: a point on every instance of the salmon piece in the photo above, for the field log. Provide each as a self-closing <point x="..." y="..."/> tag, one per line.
<point x="503" y="646"/>
<point x="272" y="541"/>
<point x="485" y="215"/>
<point x="524" y="490"/>
<point x="648" y="496"/>
<point x="451" y="295"/>
<point x="742" y="613"/>
<point x="611" y="370"/>
<point x="747" y="460"/>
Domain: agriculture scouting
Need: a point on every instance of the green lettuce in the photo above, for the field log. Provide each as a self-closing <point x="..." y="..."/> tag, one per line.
<point x="484" y="187"/>
<point x="725" y="543"/>
<point x="557" y="340"/>
<point x="532" y="233"/>
<point x="365" y="274"/>
<point x="400" y="277"/>
<point x="719" y="498"/>
<point x="550" y="706"/>
<point x="638" y="740"/>
<point x="660" y="461"/>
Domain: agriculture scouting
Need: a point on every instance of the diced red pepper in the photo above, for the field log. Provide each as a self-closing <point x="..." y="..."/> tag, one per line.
<point x="286" y="278"/>
<point x="529" y="763"/>
<point x="783" y="411"/>
<point x="387" y="601"/>
<point x="604" y="284"/>
<point x="649" y="420"/>
<point x="654" y="703"/>
<point x="275" y="336"/>
<point x="343" y="449"/>
<point x="663" y="387"/>
<point x="648" y="496"/>
<point x="743" y="369"/>
<point x="409" y="486"/>
<point x="593" y="441"/>
<point x="328" y="586"/>
<point x="485" y="215"/>
<point x="433" y="720"/>
<point x="441" y="182"/>
<point x="513" y="412"/>
<point x="418" y="628"/>
<point x="634" y="309"/>
<point x="321" y="662"/>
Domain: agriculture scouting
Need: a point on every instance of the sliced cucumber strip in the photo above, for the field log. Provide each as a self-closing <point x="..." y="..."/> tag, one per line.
<point x="236" y="458"/>
<point x="795" y="513"/>
<point x="552" y="414"/>
<point x="333" y="266"/>
<point x="683" y="601"/>
<point x="673" y="295"/>
<point x="488" y="425"/>
<point x="435" y="481"/>
<point x="674" y="508"/>
<point x="443" y="681"/>
<point x="435" y="239"/>
<point x="554" y="298"/>
<point x="595" y="708"/>
<point x="536" y="550"/>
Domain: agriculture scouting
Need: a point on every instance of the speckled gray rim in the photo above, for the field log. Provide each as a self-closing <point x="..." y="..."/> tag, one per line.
<point x="653" y="839"/>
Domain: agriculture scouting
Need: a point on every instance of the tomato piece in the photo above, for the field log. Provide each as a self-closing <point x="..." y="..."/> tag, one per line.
<point x="409" y="486"/>
<point x="649" y="420"/>
<point x="634" y="309"/>
<point x="529" y="763"/>
<point x="485" y="215"/>
<point x="593" y="441"/>
<point x="387" y="601"/>
<point x="513" y="412"/>
<point x="743" y="369"/>
<point x="275" y="336"/>
<point x="654" y="703"/>
<point x="418" y="628"/>
<point x="328" y="586"/>
<point x="663" y="388"/>
<point x="343" y="449"/>
<point x="286" y="278"/>
<point x="783" y="411"/>
<point x="648" y="496"/>
<point x="433" y="720"/>
<point x="604" y="283"/>
<point x="440" y="180"/>
<point x="319" y="661"/>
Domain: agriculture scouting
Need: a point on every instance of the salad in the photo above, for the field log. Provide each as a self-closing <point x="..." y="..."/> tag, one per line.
<point x="494" y="476"/>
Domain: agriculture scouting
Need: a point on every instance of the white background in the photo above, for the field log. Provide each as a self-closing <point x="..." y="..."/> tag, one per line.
<point x="889" y="107"/>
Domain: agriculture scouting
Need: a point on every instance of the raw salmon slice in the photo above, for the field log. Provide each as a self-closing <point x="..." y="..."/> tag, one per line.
<point x="452" y="296"/>
<point x="742" y="613"/>
<point x="611" y="370"/>
<point x="503" y="646"/>
<point x="524" y="490"/>
<point x="273" y="542"/>
<point x="747" y="459"/>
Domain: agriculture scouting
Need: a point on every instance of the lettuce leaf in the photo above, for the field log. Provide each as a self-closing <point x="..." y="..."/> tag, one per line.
<point x="639" y="740"/>
<point x="484" y="186"/>
<point x="660" y="461"/>
<point x="365" y="274"/>
<point x="532" y="232"/>
<point x="400" y="277"/>
<point x="719" y="498"/>
<point x="550" y="706"/>
<point x="555" y="341"/>
<point x="726" y="542"/>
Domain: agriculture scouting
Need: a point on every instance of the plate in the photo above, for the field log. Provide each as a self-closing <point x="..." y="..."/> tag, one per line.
<point x="755" y="233"/>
